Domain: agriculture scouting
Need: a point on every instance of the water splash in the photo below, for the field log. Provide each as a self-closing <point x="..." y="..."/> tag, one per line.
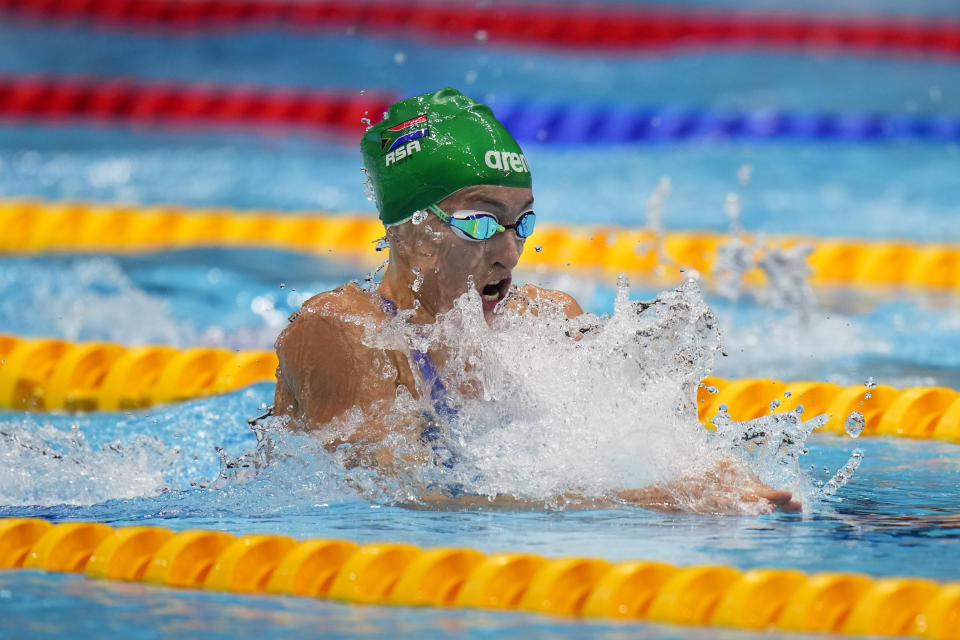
<point x="82" y="300"/>
<point x="733" y="207"/>
<point x="656" y="204"/>
<point x="368" y="191"/>
<point x="546" y="406"/>
<point x="47" y="465"/>
<point x="843" y="475"/>
<point x="785" y="273"/>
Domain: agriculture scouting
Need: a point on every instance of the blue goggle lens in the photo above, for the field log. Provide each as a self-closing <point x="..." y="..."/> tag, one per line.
<point x="525" y="224"/>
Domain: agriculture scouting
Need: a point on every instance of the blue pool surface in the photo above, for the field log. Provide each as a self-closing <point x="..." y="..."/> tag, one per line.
<point x="897" y="516"/>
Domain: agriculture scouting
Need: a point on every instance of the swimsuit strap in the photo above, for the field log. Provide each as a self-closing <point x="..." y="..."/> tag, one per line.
<point x="427" y="370"/>
<point x="430" y="435"/>
<point x="388" y="305"/>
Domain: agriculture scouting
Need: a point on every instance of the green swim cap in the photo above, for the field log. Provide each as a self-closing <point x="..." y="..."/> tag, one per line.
<point x="429" y="146"/>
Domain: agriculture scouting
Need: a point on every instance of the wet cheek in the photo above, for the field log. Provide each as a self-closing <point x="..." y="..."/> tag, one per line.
<point x="458" y="262"/>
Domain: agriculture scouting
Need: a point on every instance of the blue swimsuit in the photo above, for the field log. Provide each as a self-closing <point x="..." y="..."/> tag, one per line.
<point x="443" y="456"/>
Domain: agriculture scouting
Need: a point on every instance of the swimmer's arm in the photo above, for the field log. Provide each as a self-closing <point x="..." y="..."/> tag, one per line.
<point x="704" y="495"/>
<point x="320" y="375"/>
<point x="654" y="498"/>
<point x="728" y="488"/>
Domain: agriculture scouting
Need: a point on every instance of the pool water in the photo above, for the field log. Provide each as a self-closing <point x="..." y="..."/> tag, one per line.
<point x="897" y="516"/>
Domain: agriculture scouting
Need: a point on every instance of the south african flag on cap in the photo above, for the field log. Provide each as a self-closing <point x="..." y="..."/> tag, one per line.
<point x="404" y="132"/>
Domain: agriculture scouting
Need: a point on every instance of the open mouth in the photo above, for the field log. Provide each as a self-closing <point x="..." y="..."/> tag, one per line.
<point x="493" y="292"/>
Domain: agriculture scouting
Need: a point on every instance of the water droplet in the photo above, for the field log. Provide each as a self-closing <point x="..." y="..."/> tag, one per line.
<point x="867" y="395"/>
<point x="283" y="286"/>
<point x="774" y="404"/>
<point x="480" y="35"/>
<point x="787" y="394"/>
<point x="417" y="279"/>
<point x="418" y="217"/>
<point x="470" y="77"/>
<point x="399" y="57"/>
<point x="854" y="424"/>
<point x="711" y="389"/>
<point x="744" y="173"/>
<point x="731" y="204"/>
<point x="870" y="383"/>
<point x="537" y="248"/>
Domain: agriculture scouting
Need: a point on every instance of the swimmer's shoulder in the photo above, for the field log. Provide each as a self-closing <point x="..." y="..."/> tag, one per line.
<point x="337" y="304"/>
<point x="326" y="321"/>
<point x="323" y="367"/>
<point x="554" y="296"/>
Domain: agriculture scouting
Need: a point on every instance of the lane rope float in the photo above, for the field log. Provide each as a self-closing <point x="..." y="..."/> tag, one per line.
<point x="36" y="226"/>
<point x="914" y="412"/>
<point x="107" y="101"/>
<point x="179" y="104"/>
<point x="578" y="27"/>
<point x="771" y="599"/>
<point x="43" y="374"/>
<point x="40" y="374"/>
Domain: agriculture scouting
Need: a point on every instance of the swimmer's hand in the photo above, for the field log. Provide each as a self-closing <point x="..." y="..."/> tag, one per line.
<point x="728" y="489"/>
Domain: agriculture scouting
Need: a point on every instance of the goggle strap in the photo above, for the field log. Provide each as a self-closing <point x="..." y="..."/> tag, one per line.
<point x="440" y="213"/>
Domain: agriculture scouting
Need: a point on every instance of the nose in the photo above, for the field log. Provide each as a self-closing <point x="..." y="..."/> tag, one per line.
<point x="505" y="249"/>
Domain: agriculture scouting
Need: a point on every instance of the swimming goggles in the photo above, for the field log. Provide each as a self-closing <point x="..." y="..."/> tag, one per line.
<point x="480" y="225"/>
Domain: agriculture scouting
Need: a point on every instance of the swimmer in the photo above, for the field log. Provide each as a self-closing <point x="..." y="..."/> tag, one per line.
<point x="454" y="192"/>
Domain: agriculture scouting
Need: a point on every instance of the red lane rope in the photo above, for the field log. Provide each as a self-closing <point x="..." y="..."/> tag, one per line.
<point x="46" y="98"/>
<point x="570" y="26"/>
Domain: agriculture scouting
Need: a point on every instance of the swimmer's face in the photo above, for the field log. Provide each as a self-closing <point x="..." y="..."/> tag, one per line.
<point x="449" y="261"/>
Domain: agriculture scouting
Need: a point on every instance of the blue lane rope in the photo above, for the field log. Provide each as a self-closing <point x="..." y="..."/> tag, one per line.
<point x="598" y="124"/>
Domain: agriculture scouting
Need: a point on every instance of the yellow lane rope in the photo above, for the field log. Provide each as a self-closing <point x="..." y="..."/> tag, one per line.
<point x="37" y="226"/>
<point x="41" y="374"/>
<point x="776" y="600"/>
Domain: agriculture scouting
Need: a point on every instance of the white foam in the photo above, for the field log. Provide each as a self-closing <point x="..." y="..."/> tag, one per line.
<point x="547" y="406"/>
<point x="44" y="465"/>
